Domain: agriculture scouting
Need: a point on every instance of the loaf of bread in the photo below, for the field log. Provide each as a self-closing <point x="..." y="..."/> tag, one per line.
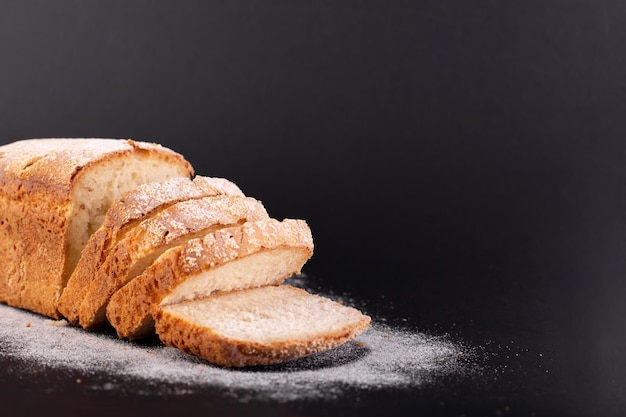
<point x="54" y="194"/>
<point x="149" y="239"/>
<point x="255" y="254"/>
<point x="116" y="231"/>
<point x="125" y="213"/>
<point x="259" y="326"/>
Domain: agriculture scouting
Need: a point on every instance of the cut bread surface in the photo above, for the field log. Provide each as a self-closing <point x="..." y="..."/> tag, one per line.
<point x="144" y="243"/>
<point x="265" y="252"/>
<point x="265" y="267"/>
<point x="258" y="326"/>
<point x="94" y="192"/>
<point x="126" y="212"/>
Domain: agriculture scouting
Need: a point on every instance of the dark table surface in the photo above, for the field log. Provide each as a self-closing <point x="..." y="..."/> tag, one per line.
<point x="548" y="338"/>
<point x="461" y="164"/>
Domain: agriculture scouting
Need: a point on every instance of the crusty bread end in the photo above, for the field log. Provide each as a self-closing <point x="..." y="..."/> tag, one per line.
<point x="53" y="194"/>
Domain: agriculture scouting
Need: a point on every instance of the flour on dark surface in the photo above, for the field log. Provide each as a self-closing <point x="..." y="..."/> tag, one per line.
<point x="384" y="357"/>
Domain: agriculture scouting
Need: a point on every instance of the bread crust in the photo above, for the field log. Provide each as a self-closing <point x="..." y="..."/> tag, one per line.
<point x="132" y="307"/>
<point x="125" y="213"/>
<point x="205" y="343"/>
<point x="36" y="183"/>
<point x="172" y="226"/>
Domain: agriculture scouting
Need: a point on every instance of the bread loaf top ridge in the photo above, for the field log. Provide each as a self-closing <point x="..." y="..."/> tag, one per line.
<point x="53" y="195"/>
<point x="125" y="213"/>
<point x="51" y="165"/>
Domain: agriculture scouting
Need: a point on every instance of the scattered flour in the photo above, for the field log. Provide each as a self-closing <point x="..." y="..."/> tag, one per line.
<point x="383" y="357"/>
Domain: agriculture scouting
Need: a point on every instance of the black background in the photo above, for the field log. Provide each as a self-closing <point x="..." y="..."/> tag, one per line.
<point x="462" y="164"/>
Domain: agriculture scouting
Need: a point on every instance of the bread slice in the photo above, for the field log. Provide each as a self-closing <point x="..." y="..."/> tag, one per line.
<point x="53" y="195"/>
<point x="143" y="244"/>
<point x="264" y="252"/>
<point x="124" y="214"/>
<point x="259" y="326"/>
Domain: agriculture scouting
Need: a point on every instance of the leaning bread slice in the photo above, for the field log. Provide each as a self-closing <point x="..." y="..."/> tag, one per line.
<point x="53" y="195"/>
<point x="125" y="213"/>
<point x="259" y="326"/>
<point x="264" y="252"/>
<point x="144" y="243"/>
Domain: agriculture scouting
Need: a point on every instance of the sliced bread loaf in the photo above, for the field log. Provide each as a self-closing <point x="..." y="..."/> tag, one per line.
<point x="125" y="213"/>
<point x="264" y="252"/>
<point x="153" y="236"/>
<point x="259" y="326"/>
<point x="53" y="195"/>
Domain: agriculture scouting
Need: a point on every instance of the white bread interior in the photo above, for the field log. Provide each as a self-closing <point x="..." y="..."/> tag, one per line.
<point x="95" y="190"/>
<point x="265" y="267"/>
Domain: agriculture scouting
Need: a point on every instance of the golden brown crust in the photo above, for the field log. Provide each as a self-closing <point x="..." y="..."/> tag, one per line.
<point x="228" y="244"/>
<point x="125" y="213"/>
<point x="131" y="308"/>
<point x="36" y="178"/>
<point x="172" y="226"/>
<point x="32" y="252"/>
<point x="223" y="351"/>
